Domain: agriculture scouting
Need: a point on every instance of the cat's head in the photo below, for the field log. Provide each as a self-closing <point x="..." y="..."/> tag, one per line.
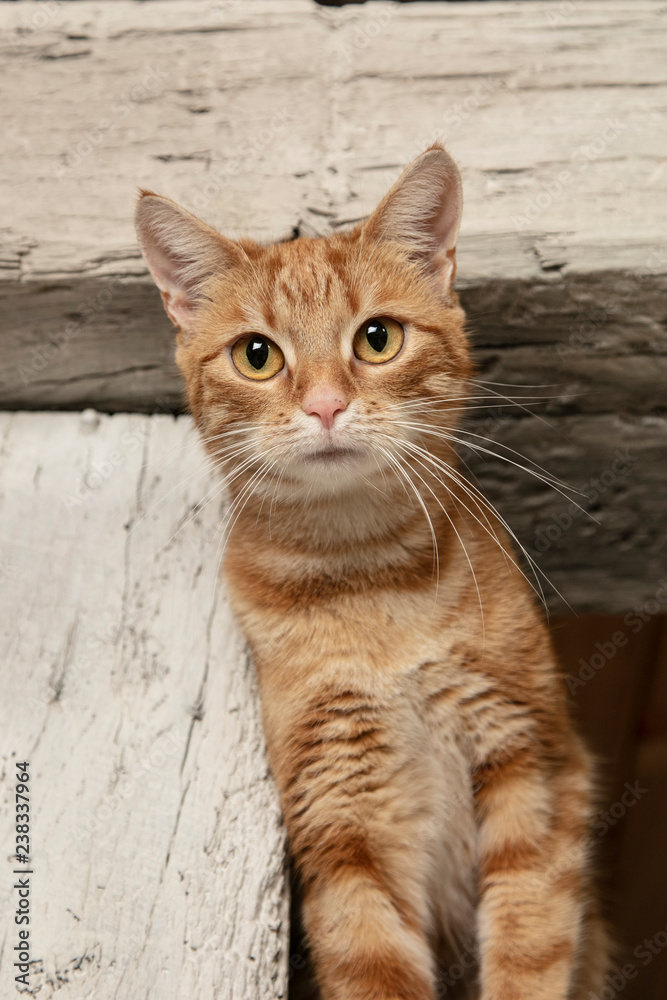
<point x="318" y="355"/>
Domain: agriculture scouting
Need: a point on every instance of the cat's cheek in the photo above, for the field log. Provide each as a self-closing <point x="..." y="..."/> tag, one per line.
<point x="439" y="384"/>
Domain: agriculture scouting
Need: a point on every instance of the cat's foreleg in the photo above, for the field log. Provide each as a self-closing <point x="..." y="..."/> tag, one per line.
<point x="533" y="884"/>
<point x="355" y="802"/>
<point x="365" y="942"/>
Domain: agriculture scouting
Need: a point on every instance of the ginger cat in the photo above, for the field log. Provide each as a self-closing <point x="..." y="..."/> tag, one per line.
<point x="432" y="785"/>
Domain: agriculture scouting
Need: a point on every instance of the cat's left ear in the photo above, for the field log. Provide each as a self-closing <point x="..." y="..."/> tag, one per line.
<point x="182" y="254"/>
<point x="422" y="212"/>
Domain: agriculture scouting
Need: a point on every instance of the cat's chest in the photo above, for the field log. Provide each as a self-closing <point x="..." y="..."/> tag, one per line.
<point x="372" y="638"/>
<point x="350" y="610"/>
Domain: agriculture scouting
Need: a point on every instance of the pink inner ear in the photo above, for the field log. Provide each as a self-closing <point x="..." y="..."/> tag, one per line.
<point x="423" y="211"/>
<point x="168" y="276"/>
<point x="178" y="305"/>
<point x="447" y="219"/>
<point x="165" y="270"/>
<point x="443" y="266"/>
<point x="179" y="308"/>
<point x="175" y="246"/>
<point x="440" y="225"/>
<point x="182" y="254"/>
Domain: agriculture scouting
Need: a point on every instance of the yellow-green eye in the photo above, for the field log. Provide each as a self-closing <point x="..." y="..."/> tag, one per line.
<point x="257" y="357"/>
<point x="378" y="340"/>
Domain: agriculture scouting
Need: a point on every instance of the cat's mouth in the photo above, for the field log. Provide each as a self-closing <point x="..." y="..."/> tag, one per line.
<point x="332" y="454"/>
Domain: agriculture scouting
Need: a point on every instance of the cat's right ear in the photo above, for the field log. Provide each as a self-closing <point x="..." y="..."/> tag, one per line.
<point x="182" y="253"/>
<point x="422" y="212"/>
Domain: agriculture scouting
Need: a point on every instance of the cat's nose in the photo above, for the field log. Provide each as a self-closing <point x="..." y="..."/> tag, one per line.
<point x="325" y="405"/>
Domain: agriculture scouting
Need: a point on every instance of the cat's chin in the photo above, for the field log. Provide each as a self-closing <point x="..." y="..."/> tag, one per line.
<point x="333" y="469"/>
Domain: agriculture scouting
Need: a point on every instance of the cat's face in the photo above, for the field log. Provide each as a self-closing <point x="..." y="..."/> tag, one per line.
<point x="310" y="356"/>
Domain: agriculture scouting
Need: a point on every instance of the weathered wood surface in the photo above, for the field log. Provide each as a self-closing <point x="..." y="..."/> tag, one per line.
<point x="272" y="118"/>
<point x="156" y="838"/>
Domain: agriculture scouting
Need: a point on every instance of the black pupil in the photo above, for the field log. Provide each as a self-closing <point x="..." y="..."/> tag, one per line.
<point x="257" y="353"/>
<point x="377" y="336"/>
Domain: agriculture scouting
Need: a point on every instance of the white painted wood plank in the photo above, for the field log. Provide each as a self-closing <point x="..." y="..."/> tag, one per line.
<point x="267" y="115"/>
<point x="157" y="841"/>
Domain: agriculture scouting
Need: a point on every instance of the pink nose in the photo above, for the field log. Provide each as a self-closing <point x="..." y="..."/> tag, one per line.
<point x="324" y="404"/>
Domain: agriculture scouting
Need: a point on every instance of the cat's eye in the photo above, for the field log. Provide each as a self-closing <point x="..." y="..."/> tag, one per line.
<point x="378" y="340"/>
<point x="257" y="357"/>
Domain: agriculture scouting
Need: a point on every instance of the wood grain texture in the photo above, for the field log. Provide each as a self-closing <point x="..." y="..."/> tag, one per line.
<point x="275" y="118"/>
<point x="157" y="844"/>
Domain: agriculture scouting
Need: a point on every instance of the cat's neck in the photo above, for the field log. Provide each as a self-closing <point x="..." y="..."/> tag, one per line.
<point x="387" y="514"/>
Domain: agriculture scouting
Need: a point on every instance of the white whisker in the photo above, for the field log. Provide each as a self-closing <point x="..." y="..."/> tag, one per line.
<point x="476" y="495"/>
<point x="480" y="502"/>
<point x="500" y="395"/>
<point x="436" y="555"/>
<point x="542" y="475"/>
<point x="204" y="469"/>
<point x="461" y="542"/>
<point x="215" y="491"/>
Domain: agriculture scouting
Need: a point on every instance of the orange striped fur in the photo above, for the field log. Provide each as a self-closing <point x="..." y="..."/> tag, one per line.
<point x="433" y="789"/>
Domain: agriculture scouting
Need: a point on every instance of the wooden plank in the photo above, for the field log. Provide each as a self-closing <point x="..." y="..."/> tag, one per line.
<point x="282" y="118"/>
<point x="156" y="835"/>
<point x="602" y="548"/>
